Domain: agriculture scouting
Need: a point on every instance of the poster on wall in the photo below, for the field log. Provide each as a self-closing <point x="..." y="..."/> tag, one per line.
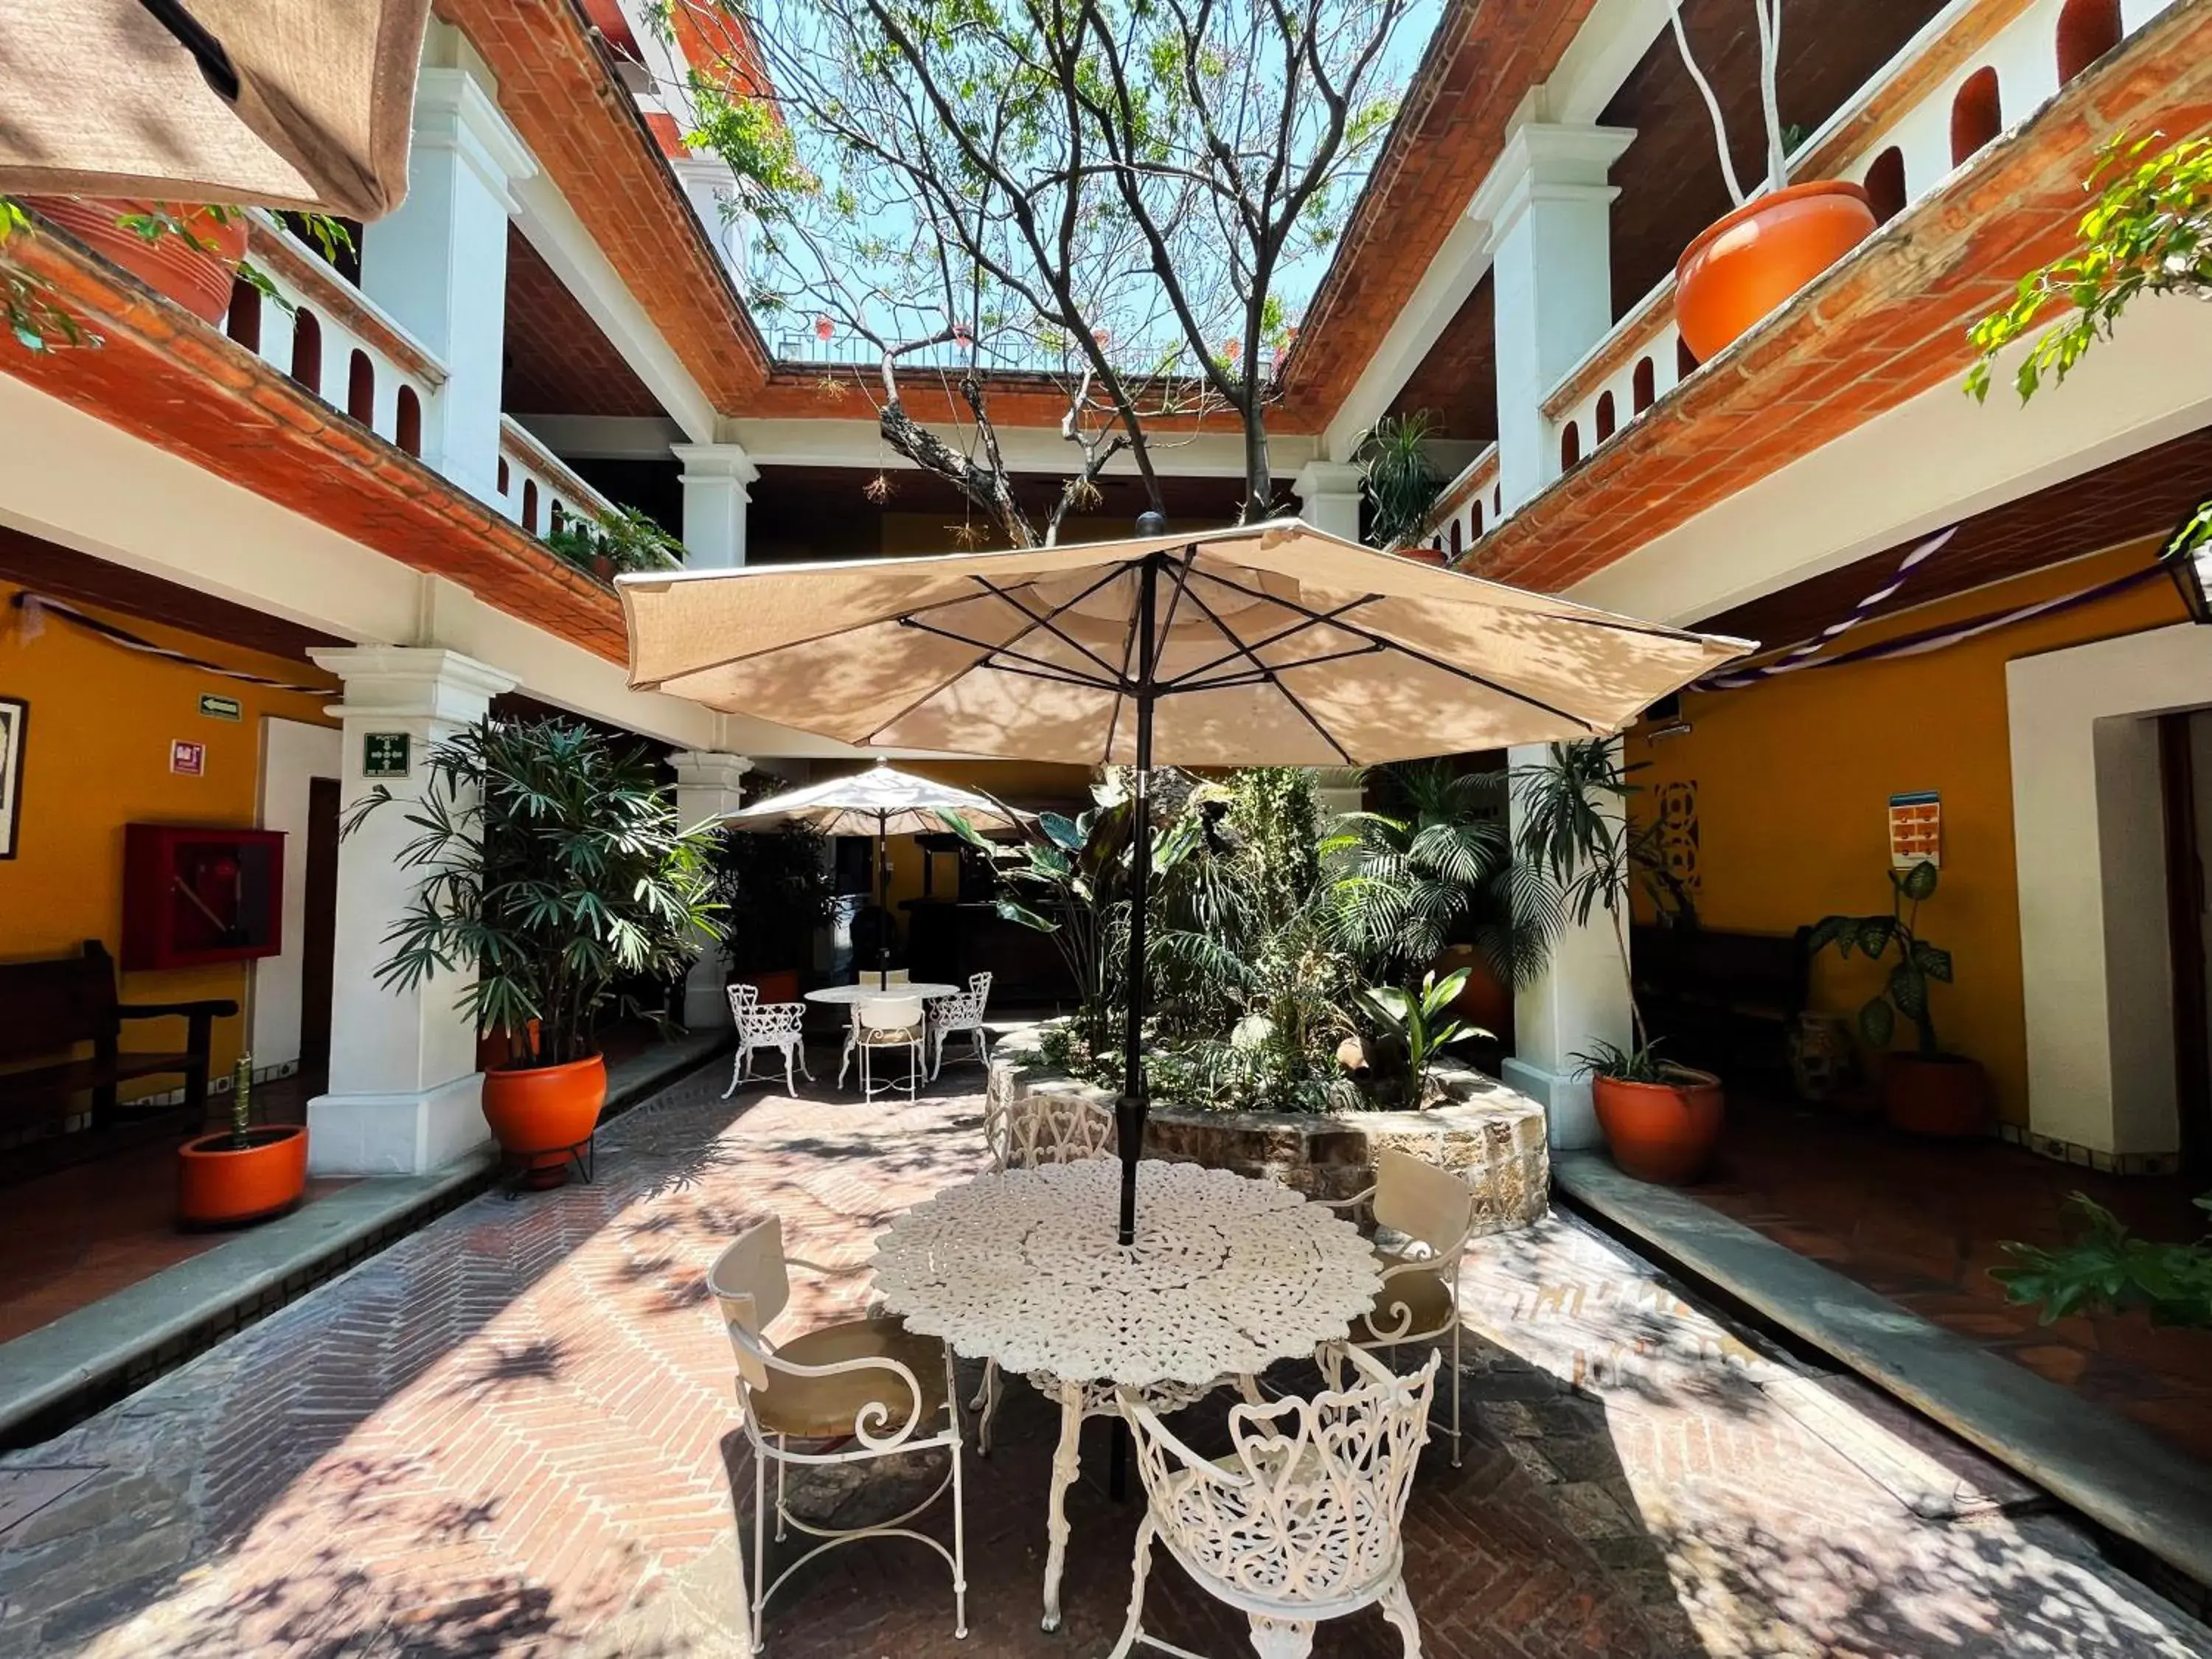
<point x="1915" y="830"/>
<point x="13" y="714"/>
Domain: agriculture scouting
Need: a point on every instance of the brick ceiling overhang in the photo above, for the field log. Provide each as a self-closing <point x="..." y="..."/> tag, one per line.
<point x="1451" y="126"/>
<point x="162" y="375"/>
<point x="1887" y="324"/>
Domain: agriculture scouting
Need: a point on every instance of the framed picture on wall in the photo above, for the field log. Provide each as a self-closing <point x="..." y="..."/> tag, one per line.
<point x="15" y="714"/>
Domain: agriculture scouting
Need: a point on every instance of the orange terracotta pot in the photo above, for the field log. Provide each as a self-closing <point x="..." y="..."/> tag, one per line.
<point x="219" y="1186"/>
<point x="1485" y="1000"/>
<point x="1946" y="1096"/>
<point x="1741" y="269"/>
<point x="1435" y="555"/>
<point x="538" y="1113"/>
<point x="196" y="277"/>
<point x="1661" y="1132"/>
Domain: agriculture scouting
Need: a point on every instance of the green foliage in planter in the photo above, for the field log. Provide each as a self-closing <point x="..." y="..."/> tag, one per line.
<point x="554" y="867"/>
<point x="2106" y="1268"/>
<point x="1641" y="1064"/>
<point x="1918" y="964"/>
<point x="1420" y="1024"/>
<point x="1440" y="869"/>
<point x="624" y="537"/>
<point x="773" y="889"/>
<point x="1400" y="485"/>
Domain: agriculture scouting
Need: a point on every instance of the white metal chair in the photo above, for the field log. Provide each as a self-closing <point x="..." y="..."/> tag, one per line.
<point x="890" y="981"/>
<point x="961" y="1011"/>
<point x="1301" y="1522"/>
<point x="882" y="1024"/>
<point x="777" y="1025"/>
<point x="869" y="1387"/>
<point x="1046" y="1125"/>
<point x="1432" y="1211"/>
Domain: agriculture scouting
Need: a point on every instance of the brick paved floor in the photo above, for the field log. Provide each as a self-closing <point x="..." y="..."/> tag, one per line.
<point x="514" y="1433"/>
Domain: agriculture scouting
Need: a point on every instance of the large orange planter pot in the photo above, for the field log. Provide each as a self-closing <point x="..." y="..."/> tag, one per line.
<point x="1485" y="1000"/>
<point x="219" y="1186"/>
<point x="1946" y="1096"/>
<point x="196" y="277"/>
<point x="538" y="1115"/>
<point x="1741" y="269"/>
<point x="1661" y="1132"/>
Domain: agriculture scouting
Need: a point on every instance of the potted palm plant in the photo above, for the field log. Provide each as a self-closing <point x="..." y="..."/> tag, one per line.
<point x="554" y="866"/>
<point x="1661" y="1119"/>
<point x="1780" y="236"/>
<point x="1926" y="1090"/>
<point x="245" y="1173"/>
<point x="610" y="543"/>
<point x="1400" y="484"/>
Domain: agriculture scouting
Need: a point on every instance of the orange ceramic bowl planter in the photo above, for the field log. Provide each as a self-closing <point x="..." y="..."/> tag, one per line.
<point x="1661" y="1132"/>
<point x="540" y="1114"/>
<point x="1946" y="1096"/>
<point x="196" y="277"/>
<point x="1743" y="267"/>
<point x="221" y="1185"/>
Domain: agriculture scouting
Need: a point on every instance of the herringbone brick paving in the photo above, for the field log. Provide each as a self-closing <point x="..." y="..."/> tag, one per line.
<point x="514" y="1433"/>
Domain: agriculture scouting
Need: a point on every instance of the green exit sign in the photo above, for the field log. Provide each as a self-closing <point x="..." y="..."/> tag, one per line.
<point x="384" y="753"/>
<point x="219" y="708"/>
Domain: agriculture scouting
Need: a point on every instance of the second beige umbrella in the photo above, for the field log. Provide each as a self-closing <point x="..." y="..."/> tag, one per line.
<point x="1266" y="645"/>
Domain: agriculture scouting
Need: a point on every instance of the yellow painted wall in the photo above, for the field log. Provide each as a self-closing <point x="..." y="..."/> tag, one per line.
<point x="1794" y="778"/>
<point x="96" y="758"/>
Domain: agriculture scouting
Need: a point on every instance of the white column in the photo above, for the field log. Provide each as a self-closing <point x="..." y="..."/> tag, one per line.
<point x="1328" y="497"/>
<point x="439" y="265"/>
<point x="714" y="498"/>
<point x="1582" y="998"/>
<point x="1547" y="205"/>
<point x="403" y="1085"/>
<point x="710" y="187"/>
<point x="707" y="786"/>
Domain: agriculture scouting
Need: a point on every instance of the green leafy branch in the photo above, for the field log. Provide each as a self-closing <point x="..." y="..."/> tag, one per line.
<point x="2107" y="1268"/>
<point x="1918" y="964"/>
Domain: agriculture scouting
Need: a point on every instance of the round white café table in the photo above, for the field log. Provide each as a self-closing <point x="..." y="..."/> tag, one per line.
<point x="1227" y="1275"/>
<point x="842" y="996"/>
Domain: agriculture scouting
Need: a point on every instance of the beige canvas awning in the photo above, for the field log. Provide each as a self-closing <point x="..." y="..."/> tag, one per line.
<point x="302" y="104"/>
<point x="1275" y="644"/>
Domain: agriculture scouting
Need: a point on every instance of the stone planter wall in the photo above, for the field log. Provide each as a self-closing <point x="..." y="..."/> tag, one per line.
<point x="1491" y="1134"/>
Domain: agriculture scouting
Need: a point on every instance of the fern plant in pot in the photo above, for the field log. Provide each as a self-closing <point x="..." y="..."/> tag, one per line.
<point x="1926" y="1090"/>
<point x="1661" y="1119"/>
<point x="553" y="865"/>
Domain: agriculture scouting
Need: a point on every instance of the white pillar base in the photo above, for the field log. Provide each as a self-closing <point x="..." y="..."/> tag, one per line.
<point x="1570" y="1116"/>
<point x="396" y="1134"/>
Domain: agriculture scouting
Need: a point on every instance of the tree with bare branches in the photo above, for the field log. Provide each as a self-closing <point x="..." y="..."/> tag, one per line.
<point x="1107" y="199"/>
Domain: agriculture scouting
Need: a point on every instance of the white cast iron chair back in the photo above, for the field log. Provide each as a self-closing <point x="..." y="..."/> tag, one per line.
<point x="1302" y="1520"/>
<point x="1426" y="1217"/>
<point x="961" y="1011"/>
<point x="778" y="1026"/>
<point x="752" y="1284"/>
<point x="882" y="1024"/>
<point x="1024" y="1132"/>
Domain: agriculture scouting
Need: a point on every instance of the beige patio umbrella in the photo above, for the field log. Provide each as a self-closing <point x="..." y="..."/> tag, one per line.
<point x="302" y="104"/>
<point x="1268" y="644"/>
<point x="882" y="801"/>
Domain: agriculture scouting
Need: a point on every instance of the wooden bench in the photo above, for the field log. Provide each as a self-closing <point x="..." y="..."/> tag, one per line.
<point x="47" y="1009"/>
<point x="1722" y="1001"/>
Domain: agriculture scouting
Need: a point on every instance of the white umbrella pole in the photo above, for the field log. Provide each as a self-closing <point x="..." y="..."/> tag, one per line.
<point x="1130" y="1117"/>
<point x="883" y="910"/>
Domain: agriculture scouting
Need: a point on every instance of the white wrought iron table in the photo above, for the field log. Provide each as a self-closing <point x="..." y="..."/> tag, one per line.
<point x="844" y="996"/>
<point x="1228" y="1274"/>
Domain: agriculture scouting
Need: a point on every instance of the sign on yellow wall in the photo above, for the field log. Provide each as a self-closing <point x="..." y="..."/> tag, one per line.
<point x="1915" y="830"/>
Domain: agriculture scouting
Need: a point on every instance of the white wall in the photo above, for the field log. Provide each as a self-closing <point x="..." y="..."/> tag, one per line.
<point x="293" y="753"/>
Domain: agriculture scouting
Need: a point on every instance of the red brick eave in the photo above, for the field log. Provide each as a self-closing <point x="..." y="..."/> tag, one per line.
<point x="587" y="134"/>
<point x="1451" y="127"/>
<point x="1884" y="325"/>
<point x="162" y="375"/>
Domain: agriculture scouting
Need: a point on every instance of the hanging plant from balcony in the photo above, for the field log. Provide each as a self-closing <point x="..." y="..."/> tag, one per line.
<point x="1745" y="266"/>
<point x="620" y="539"/>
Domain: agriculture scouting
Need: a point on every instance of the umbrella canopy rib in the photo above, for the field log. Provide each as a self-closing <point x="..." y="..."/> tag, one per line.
<point x="1269" y="676"/>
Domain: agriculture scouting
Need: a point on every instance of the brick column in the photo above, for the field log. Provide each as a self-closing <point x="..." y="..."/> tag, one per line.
<point x="439" y="265"/>
<point x="707" y="786"/>
<point x="403" y="1085"/>
<point x="1547" y="205"/>
<point x="1582" y="997"/>
<point x="1328" y="497"/>
<point x="715" y="501"/>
